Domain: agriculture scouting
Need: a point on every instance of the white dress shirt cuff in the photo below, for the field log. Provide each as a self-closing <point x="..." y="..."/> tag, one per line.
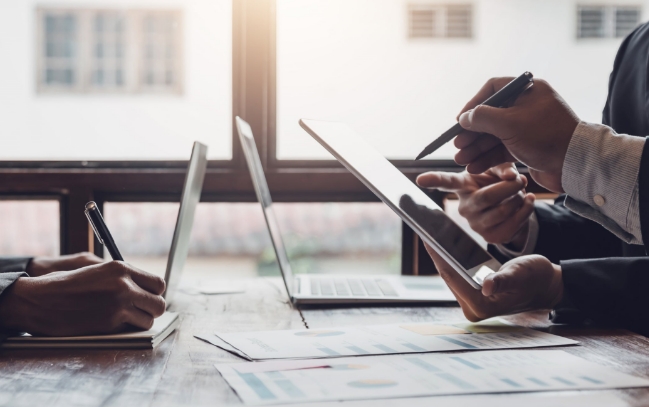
<point x="600" y="176"/>
<point x="530" y="243"/>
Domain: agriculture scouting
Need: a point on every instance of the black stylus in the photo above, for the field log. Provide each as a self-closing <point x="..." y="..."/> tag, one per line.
<point x="498" y="99"/>
<point x="101" y="230"/>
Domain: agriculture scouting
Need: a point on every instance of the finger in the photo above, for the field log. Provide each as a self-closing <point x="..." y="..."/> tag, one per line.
<point x="147" y="281"/>
<point x="505" y="171"/>
<point x="491" y="158"/>
<point x="444" y="181"/>
<point x="492" y="120"/>
<point x="503" y="212"/>
<point x="492" y="86"/>
<point x="512" y="225"/>
<point x="139" y="319"/>
<point x="465" y="138"/>
<point x="456" y="282"/>
<point x="480" y="146"/>
<point x="152" y="304"/>
<point x="495" y="194"/>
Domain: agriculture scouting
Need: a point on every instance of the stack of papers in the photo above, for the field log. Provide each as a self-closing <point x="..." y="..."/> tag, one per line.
<point x="163" y="326"/>
<point x="382" y="340"/>
<point x="381" y="377"/>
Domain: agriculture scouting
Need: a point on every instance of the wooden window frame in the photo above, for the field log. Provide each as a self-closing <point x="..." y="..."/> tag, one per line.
<point x="253" y="95"/>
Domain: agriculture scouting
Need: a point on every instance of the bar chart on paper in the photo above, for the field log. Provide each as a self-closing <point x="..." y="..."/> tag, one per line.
<point x="382" y="340"/>
<point x="379" y="377"/>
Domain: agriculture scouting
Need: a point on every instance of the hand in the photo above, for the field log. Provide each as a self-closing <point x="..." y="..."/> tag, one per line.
<point x="494" y="203"/>
<point x="39" y="266"/>
<point x="99" y="299"/>
<point x="524" y="284"/>
<point x="536" y="131"/>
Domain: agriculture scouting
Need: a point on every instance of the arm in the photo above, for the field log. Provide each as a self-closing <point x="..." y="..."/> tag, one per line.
<point x="595" y="166"/>
<point x="12" y="268"/>
<point x="616" y="290"/>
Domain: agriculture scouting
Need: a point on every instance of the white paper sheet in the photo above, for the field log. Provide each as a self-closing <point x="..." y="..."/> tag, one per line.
<point x="381" y="377"/>
<point x="384" y="339"/>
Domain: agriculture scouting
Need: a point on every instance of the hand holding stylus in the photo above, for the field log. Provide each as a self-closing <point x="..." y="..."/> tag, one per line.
<point x="536" y="130"/>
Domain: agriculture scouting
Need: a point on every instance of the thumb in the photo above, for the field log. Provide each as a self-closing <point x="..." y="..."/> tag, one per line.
<point x="487" y="119"/>
<point x="505" y="280"/>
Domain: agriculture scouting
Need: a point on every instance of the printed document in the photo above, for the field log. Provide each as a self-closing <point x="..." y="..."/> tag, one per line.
<point x="380" y="377"/>
<point x="407" y="337"/>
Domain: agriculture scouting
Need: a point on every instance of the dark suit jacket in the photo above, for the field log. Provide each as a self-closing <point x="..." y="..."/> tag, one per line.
<point x="604" y="278"/>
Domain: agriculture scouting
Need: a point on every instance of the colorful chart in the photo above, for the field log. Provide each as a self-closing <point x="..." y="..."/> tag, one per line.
<point x="489" y="327"/>
<point x="372" y="384"/>
<point x="432" y="329"/>
<point x="319" y="334"/>
<point x="349" y="367"/>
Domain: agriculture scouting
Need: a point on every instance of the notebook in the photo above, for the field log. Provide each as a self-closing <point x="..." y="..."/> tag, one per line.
<point x="162" y="327"/>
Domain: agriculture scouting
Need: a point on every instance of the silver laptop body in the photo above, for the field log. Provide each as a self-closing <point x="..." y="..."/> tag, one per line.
<point x="188" y="202"/>
<point x="336" y="288"/>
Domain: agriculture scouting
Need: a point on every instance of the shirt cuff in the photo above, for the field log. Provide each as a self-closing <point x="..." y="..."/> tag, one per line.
<point x="600" y="176"/>
<point x="530" y="243"/>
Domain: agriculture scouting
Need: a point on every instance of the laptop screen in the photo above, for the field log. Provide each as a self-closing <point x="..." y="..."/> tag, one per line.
<point x="188" y="202"/>
<point x="263" y="194"/>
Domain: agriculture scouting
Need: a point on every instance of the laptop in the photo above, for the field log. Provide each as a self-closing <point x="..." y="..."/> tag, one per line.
<point x="188" y="203"/>
<point x="336" y="288"/>
<point x="416" y="209"/>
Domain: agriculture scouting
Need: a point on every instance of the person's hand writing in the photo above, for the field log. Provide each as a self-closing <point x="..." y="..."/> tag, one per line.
<point x="494" y="202"/>
<point x="39" y="266"/>
<point x="99" y="299"/>
<point x="536" y="130"/>
<point x="523" y="284"/>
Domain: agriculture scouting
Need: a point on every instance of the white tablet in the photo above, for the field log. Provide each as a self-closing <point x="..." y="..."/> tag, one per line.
<point x="405" y="198"/>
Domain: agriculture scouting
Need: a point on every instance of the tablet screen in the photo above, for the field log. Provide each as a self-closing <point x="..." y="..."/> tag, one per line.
<point x="397" y="191"/>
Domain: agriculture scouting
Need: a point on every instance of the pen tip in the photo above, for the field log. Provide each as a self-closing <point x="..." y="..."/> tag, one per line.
<point x="420" y="156"/>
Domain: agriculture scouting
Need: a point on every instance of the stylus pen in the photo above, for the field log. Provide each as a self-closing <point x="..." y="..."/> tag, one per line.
<point x="101" y="230"/>
<point x="498" y="99"/>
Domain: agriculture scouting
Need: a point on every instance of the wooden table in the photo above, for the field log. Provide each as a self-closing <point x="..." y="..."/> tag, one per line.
<point x="180" y="371"/>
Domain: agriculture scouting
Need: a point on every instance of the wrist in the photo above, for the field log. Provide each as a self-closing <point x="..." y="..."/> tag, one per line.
<point x="15" y="305"/>
<point x="37" y="267"/>
<point x="517" y="243"/>
<point x="556" y="286"/>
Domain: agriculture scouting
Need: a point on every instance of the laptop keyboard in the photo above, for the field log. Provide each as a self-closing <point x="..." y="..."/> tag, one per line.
<point x="352" y="287"/>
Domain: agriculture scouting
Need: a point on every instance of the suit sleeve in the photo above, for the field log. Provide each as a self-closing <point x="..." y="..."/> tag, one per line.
<point x="564" y="235"/>
<point x="609" y="290"/>
<point x="613" y="290"/>
<point x="11" y="269"/>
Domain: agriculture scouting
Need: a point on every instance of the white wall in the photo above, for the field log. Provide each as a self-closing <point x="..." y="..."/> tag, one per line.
<point x="87" y="126"/>
<point x="353" y="61"/>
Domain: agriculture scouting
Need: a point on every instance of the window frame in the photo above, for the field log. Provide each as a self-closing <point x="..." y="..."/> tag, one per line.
<point x="254" y="99"/>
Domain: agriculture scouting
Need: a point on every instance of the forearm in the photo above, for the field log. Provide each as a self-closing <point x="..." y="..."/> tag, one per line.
<point x="600" y="176"/>
<point x="609" y="290"/>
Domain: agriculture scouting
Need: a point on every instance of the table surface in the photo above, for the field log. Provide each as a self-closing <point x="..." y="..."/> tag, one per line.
<point x="181" y="370"/>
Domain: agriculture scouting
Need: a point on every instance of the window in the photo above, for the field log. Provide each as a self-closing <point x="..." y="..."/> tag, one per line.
<point x="98" y="50"/>
<point x="108" y="57"/>
<point x="61" y="50"/>
<point x="161" y="51"/>
<point x="380" y="67"/>
<point x="607" y="21"/>
<point x="116" y="83"/>
<point x="230" y="240"/>
<point x="29" y="227"/>
<point x="440" y="21"/>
